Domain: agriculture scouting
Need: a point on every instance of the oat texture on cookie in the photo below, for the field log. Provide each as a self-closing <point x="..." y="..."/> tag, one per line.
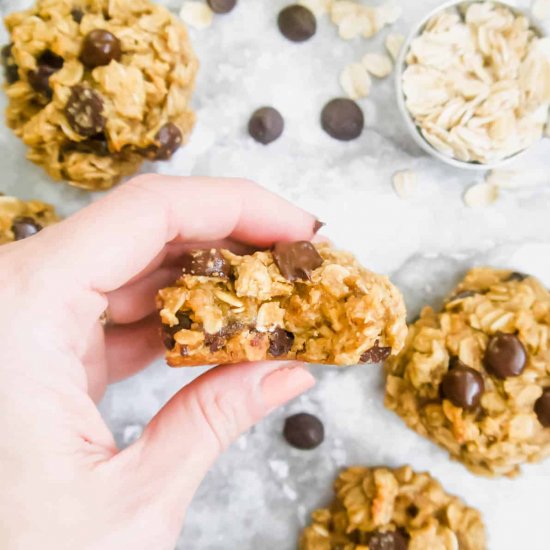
<point x="397" y="509"/>
<point x="21" y="219"/>
<point x="95" y="87"/>
<point x="475" y="377"/>
<point x="296" y="301"/>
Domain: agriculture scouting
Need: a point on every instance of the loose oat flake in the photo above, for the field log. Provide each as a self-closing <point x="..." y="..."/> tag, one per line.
<point x="394" y="42"/>
<point x="480" y="195"/>
<point x="404" y="183"/>
<point x="318" y="7"/>
<point x="355" y="81"/>
<point x="196" y="14"/>
<point x="379" y="65"/>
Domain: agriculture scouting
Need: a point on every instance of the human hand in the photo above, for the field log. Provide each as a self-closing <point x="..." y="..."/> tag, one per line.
<point x="64" y="482"/>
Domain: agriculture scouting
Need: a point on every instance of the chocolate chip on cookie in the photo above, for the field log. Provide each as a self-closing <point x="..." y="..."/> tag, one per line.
<point x="100" y="47"/>
<point x="376" y="354"/>
<point x="77" y="14"/>
<point x="47" y="64"/>
<point x="542" y="408"/>
<point x="184" y="322"/>
<point x="280" y="342"/>
<point x="169" y="139"/>
<point x="462" y="385"/>
<point x="297" y="23"/>
<point x="11" y="70"/>
<point x="505" y="356"/>
<point x="517" y="276"/>
<point x="24" y="227"/>
<point x="342" y="119"/>
<point x="388" y="540"/>
<point x="222" y="6"/>
<point x="205" y="263"/>
<point x="266" y="125"/>
<point x="84" y="111"/>
<point x="304" y="431"/>
<point x="296" y="260"/>
<point x="94" y="145"/>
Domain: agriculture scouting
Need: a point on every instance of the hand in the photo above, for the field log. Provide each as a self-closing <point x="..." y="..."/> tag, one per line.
<point x="64" y="483"/>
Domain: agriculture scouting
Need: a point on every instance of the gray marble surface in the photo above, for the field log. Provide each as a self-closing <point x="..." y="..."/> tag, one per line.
<point x="259" y="494"/>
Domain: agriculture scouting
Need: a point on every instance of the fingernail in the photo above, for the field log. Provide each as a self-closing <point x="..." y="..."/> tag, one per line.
<point x="317" y="226"/>
<point x="285" y="384"/>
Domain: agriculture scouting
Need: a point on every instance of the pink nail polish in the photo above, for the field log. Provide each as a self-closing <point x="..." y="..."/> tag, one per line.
<point x="317" y="226"/>
<point x="284" y="384"/>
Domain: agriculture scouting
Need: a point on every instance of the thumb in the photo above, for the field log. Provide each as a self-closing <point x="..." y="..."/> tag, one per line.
<point x="187" y="435"/>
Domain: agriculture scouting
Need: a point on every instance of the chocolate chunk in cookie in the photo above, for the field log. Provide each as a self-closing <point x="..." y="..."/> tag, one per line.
<point x="94" y="145"/>
<point x="505" y="356"/>
<point x="169" y="140"/>
<point x="100" y="47"/>
<point x="542" y="408"/>
<point x="462" y="386"/>
<point x="77" y="14"/>
<point x="388" y="540"/>
<point x="517" y="276"/>
<point x="47" y="64"/>
<point x="376" y="354"/>
<point x="84" y="111"/>
<point x="280" y="342"/>
<point x="297" y="23"/>
<point x="296" y="260"/>
<point x="24" y="227"/>
<point x="205" y="263"/>
<point x="304" y="431"/>
<point x="266" y="125"/>
<point x="222" y="6"/>
<point x="342" y="119"/>
<point x="11" y="70"/>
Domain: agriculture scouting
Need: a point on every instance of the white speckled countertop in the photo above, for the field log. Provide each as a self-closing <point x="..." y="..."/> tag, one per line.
<point x="259" y="494"/>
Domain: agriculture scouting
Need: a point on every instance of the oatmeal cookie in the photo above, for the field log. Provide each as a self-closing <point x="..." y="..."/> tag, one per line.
<point x="21" y="219"/>
<point x="475" y="377"/>
<point x="95" y="87"/>
<point x="296" y="301"/>
<point x="393" y="509"/>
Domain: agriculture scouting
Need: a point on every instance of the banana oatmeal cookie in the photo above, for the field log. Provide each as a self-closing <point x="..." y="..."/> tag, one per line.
<point x="475" y="377"/>
<point x="393" y="509"/>
<point x="296" y="301"/>
<point x="97" y="86"/>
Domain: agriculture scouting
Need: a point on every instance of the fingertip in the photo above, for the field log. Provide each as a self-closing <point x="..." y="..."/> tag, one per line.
<point x="280" y="386"/>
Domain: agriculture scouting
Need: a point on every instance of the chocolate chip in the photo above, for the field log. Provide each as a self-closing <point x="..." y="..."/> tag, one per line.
<point x="94" y="145"/>
<point x="214" y="341"/>
<point x="296" y="260"/>
<point x="516" y="276"/>
<point x="222" y="6"/>
<point x="462" y="386"/>
<point x="342" y="119"/>
<point x="169" y="140"/>
<point x="389" y="540"/>
<point x="24" y="227"/>
<point x="280" y="342"/>
<point x="11" y="70"/>
<point x="542" y="408"/>
<point x="206" y="263"/>
<point x="100" y="47"/>
<point x="77" y="15"/>
<point x="266" y="125"/>
<point x="376" y="354"/>
<point x="184" y="322"/>
<point x="48" y="63"/>
<point x="304" y="431"/>
<point x="168" y="341"/>
<point x="462" y="295"/>
<point x="297" y="23"/>
<point x="505" y="356"/>
<point x="84" y="111"/>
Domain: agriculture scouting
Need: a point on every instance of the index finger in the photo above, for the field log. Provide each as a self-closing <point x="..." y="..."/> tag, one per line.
<point x="107" y="243"/>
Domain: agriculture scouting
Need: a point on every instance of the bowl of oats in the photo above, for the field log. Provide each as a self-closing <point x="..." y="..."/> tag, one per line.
<point x="473" y="83"/>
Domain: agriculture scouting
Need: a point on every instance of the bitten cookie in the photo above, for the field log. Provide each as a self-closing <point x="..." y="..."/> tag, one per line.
<point x="96" y="86"/>
<point x="296" y="301"/>
<point x="475" y="377"/>
<point x="21" y="219"/>
<point x="385" y="509"/>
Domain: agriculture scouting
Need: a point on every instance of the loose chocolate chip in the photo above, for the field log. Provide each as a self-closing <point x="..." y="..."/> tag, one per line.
<point x="222" y="6"/>
<point x="304" y="431"/>
<point x="390" y="540"/>
<point x="505" y="356"/>
<point x="266" y="125"/>
<point x="297" y="23"/>
<point x="48" y="63"/>
<point x="206" y="263"/>
<point x="463" y="386"/>
<point x="100" y="47"/>
<point x="24" y="227"/>
<point x="542" y="408"/>
<point x="376" y="354"/>
<point x="342" y="119"/>
<point x="11" y="70"/>
<point x="77" y="15"/>
<point x="169" y="139"/>
<point x="517" y="276"/>
<point x="84" y="111"/>
<point x="280" y="342"/>
<point x="296" y="260"/>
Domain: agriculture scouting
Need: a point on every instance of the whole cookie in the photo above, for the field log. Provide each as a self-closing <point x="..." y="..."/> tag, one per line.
<point x="392" y="509"/>
<point x="95" y="87"/>
<point x="475" y="377"/>
<point x="21" y="219"/>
